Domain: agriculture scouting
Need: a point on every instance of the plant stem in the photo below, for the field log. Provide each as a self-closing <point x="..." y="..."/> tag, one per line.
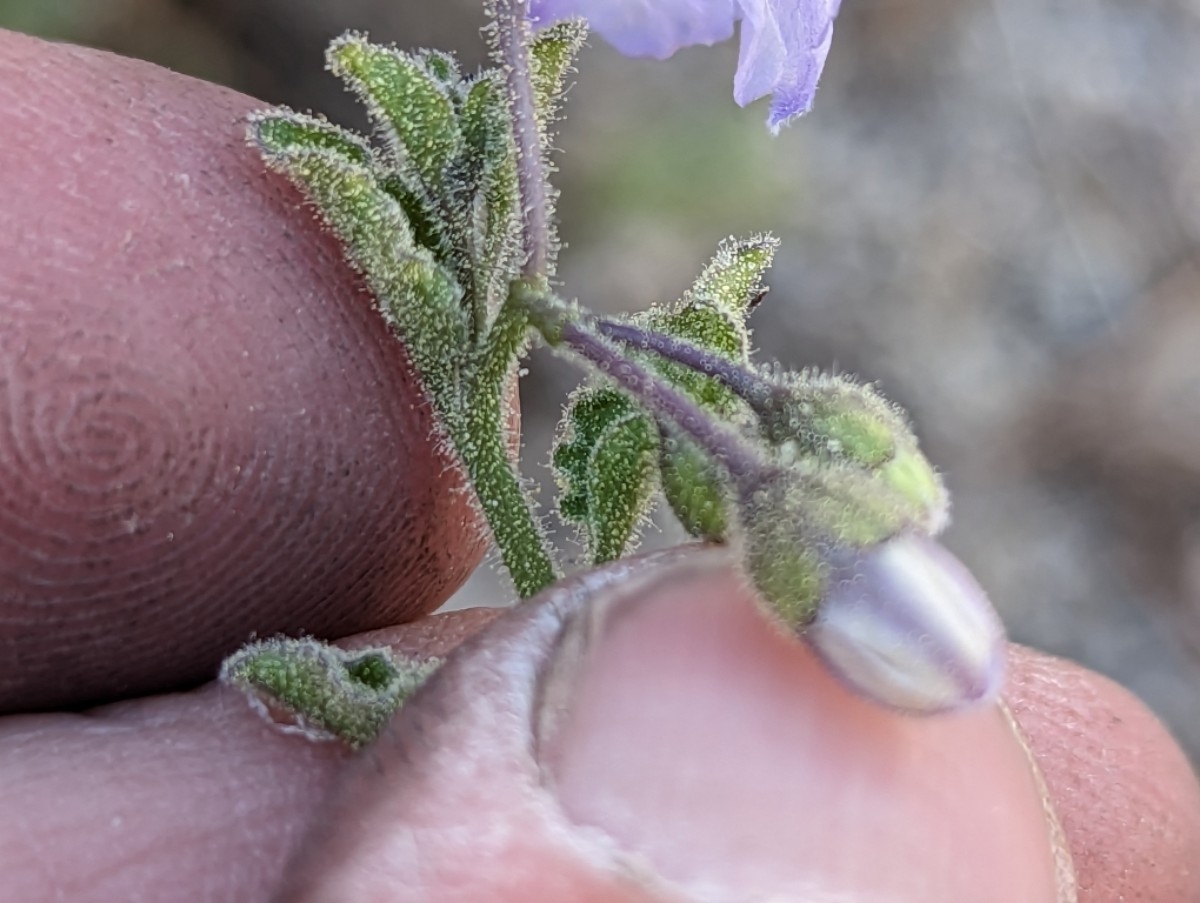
<point x="480" y="441"/>
<point x="564" y="327"/>
<point x="505" y="342"/>
<point x="512" y="22"/>
<point x="479" y="435"/>
<point x="752" y="388"/>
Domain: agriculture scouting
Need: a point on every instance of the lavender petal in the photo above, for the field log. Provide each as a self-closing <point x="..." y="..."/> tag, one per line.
<point x="784" y="43"/>
<point x="653" y="28"/>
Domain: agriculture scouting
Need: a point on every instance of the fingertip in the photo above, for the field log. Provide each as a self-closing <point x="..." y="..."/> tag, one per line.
<point x="1126" y="796"/>
<point x="210" y="431"/>
<point x="724" y="751"/>
<point x="642" y="731"/>
<point x="175" y="798"/>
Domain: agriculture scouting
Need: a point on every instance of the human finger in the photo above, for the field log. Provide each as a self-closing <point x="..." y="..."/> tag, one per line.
<point x="644" y="734"/>
<point x="187" y="797"/>
<point x="638" y="733"/>
<point x="208" y="429"/>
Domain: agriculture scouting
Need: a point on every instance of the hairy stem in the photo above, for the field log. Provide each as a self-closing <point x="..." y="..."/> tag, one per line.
<point x="479" y="435"/>
<point x="752" y="388"/>
<point x="505" y="343"/>
<point x="480" y="441"/>
<point x="514" y="37"/>
<point x="563" y="327"/>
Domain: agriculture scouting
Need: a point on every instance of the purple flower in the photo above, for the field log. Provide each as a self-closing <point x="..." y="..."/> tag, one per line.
<point x="783" y="49"/>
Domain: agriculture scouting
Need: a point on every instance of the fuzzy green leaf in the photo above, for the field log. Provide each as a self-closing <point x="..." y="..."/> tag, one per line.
<point x="620" y="483"/>
<point x="587" y="415"/>
<point x="704" y="324"/>
<point x="441" y="66"/>
<point x="486" y="126"/>
<point x="417" y="295"/>
<point x="604" y="461"/>
<point x="713" y="316"/>
<point x="412" y="105"/>
<point x="429" y="227"/>
<point x="493" y="222"/>
<point x="733" y="279"/>
<point x="281" y="128"/>
<point x="694" y="487"/>
<point x="323" y="690"/>
<point x="552" y="56"/>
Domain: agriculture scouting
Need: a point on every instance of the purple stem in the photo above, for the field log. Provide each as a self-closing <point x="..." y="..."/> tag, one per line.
<point x="743" y="464"/>
<point x="743" y="382"/>
<point x="512" y="20"/>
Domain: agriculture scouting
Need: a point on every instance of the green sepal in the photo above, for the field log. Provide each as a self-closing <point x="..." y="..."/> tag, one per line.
<point x="834" y="418"/>
<point x="790" y="528"/>
<point x="412" y="105"/>
<point x="418" y="296"/>
<point x="326" y="691"/>
<point x="835" y="422"/>
<point x="780" y="555"/>
<point x="604" y="460"/>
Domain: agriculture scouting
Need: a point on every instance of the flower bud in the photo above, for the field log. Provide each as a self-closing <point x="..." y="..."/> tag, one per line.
<point x="795" y="519"/>
<point x="906" y="625"/>
<point x="834" y="420"/>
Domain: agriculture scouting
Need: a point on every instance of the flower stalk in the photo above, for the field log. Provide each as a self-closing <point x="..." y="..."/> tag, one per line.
<point x="480" y="441"/>
<point x="513" y="37"/>
<point x="562" y="327"/>
<point x="755" y="390"/>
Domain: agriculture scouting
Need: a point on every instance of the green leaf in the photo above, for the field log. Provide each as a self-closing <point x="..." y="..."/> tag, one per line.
<point x="694" y="487"/>
<point x="713" y="316"/>
<point x="412" y="105"/>
<point x="417" y="295"/>
<point x="492" y="226"/>
<point x="281" y="128"/>
<point x="708" y="326"/>
<point x="733" y="279"/>
<point x="604" y="460"/>
<point x="428" y="224"/>
<point x="441" y="66"/>
<point x="552" y="55"/>
<point x="485" y="121"/>
<point x="326" y="691"/>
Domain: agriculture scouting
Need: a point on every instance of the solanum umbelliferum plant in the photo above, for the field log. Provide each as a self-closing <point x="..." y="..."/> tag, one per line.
<point x="816" y="481"/>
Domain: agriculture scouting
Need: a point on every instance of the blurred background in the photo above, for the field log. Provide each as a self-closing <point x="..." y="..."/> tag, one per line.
<point x="994" y="211"/>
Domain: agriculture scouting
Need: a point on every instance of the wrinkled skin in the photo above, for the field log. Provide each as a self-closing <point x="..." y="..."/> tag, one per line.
<point x="632" y="736"/>
<point x="207" y="429"/>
